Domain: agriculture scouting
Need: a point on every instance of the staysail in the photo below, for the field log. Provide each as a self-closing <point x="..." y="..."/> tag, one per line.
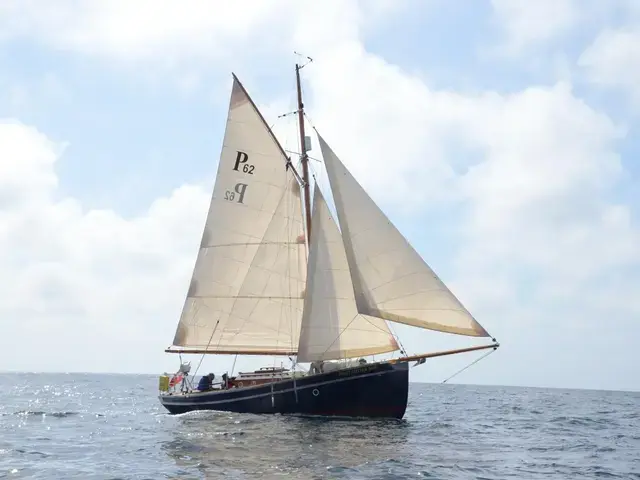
<point x="247" y="286"/>
<point x="390" y="279"/>
<point x="332" y="328"/>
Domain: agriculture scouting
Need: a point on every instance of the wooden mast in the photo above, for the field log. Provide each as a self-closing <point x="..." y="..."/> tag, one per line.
<point x="304" y="158"/>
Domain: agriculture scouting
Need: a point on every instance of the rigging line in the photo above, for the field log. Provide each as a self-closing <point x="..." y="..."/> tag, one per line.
<point x="233" y="367"/>
<point x="309" y="119"/>
<point x="341" y="332"/>
<point x="208" y="344"/>
<point x="364" y="317"/>
<point x="298" y="153"/>
<point x="344" y="330"/>
<point x="286" y="281"/>
<point x="314" y="176"/>
<point x="403" y="350"/>
<point x="470" y="365"/>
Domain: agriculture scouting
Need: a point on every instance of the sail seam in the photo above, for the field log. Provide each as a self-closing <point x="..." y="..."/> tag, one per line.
<point x="247" y="320"/>
<point x="434" y="289"/>
<point x="428" y="325"/>
<point x="236" y="298"/>
<point x="388" y="334"/>
<point x="250" y="243"/>
<point x="273" y="297"/>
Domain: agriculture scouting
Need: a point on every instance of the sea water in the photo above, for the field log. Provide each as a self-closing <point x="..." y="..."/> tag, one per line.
<point x="68" y="426"/>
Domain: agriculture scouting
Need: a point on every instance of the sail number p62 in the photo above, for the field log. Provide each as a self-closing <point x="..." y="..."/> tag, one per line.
<point x="237" y="194"/>
<point x="240" y="165"/>
<point x="242" y="159"/>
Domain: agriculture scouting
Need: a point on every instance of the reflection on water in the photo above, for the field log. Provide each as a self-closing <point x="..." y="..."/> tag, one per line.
<point x="235" y="445"/>
<point x="107" y="427"/>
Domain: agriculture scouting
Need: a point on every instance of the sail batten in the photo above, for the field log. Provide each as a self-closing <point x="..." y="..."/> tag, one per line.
<point x="332" y="328"/>
<point x="246" y="291"/>
<point x="390" y="279"/>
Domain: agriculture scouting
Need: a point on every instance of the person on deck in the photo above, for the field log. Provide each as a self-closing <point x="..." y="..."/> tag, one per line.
<point x="205" y="382"/>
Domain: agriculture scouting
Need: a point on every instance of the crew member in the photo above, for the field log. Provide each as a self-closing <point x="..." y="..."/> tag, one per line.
<point x="205" y="382"/>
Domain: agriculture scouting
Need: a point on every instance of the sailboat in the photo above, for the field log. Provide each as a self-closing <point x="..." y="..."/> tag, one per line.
<point x="277" y="275"/>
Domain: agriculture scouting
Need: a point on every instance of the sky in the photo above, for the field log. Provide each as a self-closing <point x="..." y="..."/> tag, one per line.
<point x="500" y="137"/>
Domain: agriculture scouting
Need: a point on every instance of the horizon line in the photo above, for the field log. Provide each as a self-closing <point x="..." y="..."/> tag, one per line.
<point x="22" y="372"/>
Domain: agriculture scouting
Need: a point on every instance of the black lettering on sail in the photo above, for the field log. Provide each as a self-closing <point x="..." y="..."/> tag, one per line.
<point x="241" y="159"/>
<point x="237" y="195"/>
<point x="240" y="189"/>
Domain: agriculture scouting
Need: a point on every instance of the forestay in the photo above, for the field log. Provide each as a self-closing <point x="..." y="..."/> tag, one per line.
<point x="247" y="287"/>
<point x="390" y="279"/>
<point x="332" y="328"/>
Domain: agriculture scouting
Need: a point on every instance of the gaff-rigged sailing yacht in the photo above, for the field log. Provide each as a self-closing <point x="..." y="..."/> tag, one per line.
<point x="254" y="290"/>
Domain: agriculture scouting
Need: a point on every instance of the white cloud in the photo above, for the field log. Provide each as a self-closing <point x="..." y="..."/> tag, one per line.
<point x="26" y="172"/>
<point x="196" y="31"/>
<point x="137" y="30"/>
<point x="532" y="172"/>
<point x="550" y="161"/>
<point x="613" y="60"/>
<point x="79" y="280"/>
<point x="526" y="23"/>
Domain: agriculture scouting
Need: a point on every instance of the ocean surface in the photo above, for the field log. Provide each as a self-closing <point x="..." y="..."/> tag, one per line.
<point x="68" y="426"/>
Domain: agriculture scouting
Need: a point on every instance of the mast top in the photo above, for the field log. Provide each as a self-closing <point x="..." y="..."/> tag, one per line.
<point x="300" y="67"/>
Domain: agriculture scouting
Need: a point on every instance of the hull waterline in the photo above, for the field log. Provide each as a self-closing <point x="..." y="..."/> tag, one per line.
<point x="373" y="390"/>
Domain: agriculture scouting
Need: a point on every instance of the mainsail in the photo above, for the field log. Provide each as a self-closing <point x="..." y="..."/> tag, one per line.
<point x="247" y="287"/>
<point x="332" y="328"/>
<point x="390" y="279"/>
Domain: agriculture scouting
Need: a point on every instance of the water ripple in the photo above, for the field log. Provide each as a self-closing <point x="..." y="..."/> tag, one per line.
<point x="112" y="427"/>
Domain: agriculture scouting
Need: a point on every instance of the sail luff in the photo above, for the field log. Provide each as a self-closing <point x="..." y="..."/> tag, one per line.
<point x="390" y="279"/>
<point x="331" y="326"/>
<point x="247" y="283"/>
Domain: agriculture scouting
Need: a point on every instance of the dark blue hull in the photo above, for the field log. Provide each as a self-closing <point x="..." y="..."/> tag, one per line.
<point x="372" y="390"/>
